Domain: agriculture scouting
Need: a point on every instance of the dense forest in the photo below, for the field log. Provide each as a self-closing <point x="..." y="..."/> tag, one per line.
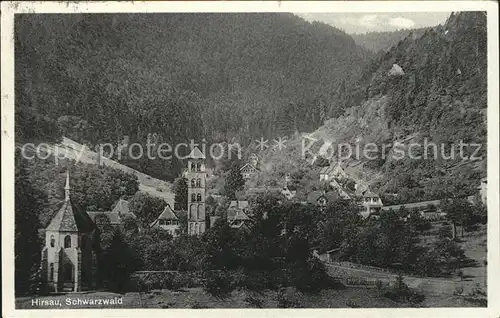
<point x="383" y="41"/>
<point x="182" y="76"/>
<point x="97" y="78"/>
<point x="439" y="95"/>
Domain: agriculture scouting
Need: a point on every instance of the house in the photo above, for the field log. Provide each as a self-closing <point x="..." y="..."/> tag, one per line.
<point x="328" y="173"/>
<point x="483" y="190"/>
<point x="371" y="204"/>
<point x="237" y="215"/>
<point x="167" y="221"/>
<point x="344" y="194"/>
<point x="116" y="216"/>
<point x="239" y="204"/>
<point x="248" y="171"/>
<point x="321" y="198"/>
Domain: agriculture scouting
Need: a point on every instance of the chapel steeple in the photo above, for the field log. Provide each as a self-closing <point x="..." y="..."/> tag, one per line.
<point x="67" y="188"/>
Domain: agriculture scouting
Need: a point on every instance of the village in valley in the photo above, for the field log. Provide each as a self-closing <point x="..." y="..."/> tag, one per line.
<point x="262" y="226"/>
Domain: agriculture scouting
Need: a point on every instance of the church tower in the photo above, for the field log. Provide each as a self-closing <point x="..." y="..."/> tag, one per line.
<point x="196" y="192"/>
<point x="68" y="259"/>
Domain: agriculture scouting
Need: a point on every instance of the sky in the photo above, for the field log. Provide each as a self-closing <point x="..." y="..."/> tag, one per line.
<point x="379" y="21"/>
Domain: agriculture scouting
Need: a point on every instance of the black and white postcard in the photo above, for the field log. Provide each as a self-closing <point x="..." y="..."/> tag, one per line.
<point x="336" y="156"/>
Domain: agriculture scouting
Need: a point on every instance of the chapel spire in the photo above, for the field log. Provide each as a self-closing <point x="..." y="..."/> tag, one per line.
<point x="67" y="188"/>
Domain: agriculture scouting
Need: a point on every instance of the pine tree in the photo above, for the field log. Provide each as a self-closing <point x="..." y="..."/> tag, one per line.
<point x="181" y="193"/>
<point x="234" y="181"/>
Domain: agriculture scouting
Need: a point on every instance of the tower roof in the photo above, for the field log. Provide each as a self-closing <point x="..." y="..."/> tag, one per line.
<point x="196" y="154"/>
<point x="68" y="218"/>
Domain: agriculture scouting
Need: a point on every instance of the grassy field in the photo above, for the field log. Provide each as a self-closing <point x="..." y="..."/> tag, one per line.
<point x="197" y="298"/>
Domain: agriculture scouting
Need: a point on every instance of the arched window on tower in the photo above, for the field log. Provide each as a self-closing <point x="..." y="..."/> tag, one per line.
<point x="198" y="167"/>
<point x="193" y="183"/>
<point x="52" y="241"/>
<point x="198" y="183"/>
<point x="198" y="212"/>
<point x="67" y="241"/>
<point x="193" y="197"/>
<point x="192" y="212"/>
<point x="51" y="272"/>
<point x="198" y="197"/>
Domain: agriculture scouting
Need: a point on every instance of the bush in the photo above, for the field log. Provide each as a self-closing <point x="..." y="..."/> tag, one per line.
<point x="477" y="296"/>
<point x="400" y="292"/>
<point x="254" y="301"/>
<point x="287" y="300"/>
<point x="352" y="304"/>
<point x="311" y="276"/>
<point x="218" y="284"/>
<point x="459" y="290"/>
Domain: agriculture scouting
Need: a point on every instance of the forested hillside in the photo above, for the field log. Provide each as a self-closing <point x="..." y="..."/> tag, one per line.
<point x="181" y="75"/>
<point x="440" y="95"/>
<point x="383" y="41"/>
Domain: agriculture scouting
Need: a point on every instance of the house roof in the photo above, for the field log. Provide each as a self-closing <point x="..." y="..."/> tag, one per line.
<point x="249" y="165"/>
<point x="114" y="217"/>
<point x="196" y="154"/>
<point x="238" y="204"/>
<point x="236" y="210"/>
<point x="70" y="219"/>
<point x="326" y="169"/>
<point x="166" y="214"/>
<point x="369" y="194"/>
<point x="122" y="209"/>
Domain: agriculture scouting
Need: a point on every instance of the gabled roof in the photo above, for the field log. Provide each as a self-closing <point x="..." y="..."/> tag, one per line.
<point x="326" y="170"/>
<point x="167" y="214"/>
<point x="236" y="214"/>
<point x="369" y="194"/>
<point x="314" y="196"/>
<point x="249" y="165"/>
<point x="114" y="217"/>
<point x="196" y="154"/>
<point x="122" y="209"/>
<point x="238" y="204"/>
<point x="70" y="219"/>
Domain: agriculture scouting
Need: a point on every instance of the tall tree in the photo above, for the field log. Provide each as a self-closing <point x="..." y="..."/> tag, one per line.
<point x="181" y="193"/>
<point x="146" y="207"/>
<point x="234" y="181"/>
<point x="27" y="245"/>
<point x="458" y="211"/>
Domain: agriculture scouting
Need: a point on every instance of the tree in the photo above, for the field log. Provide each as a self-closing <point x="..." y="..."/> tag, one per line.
<point x="26" y="242"/>
<point x="118" y="262"/>
<point x="146" y="207"/>
<point x="181" y="193"/>
<point x="234" y="181"/>
<point x="458" y="211"/>
<point x="221" y="247"/>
